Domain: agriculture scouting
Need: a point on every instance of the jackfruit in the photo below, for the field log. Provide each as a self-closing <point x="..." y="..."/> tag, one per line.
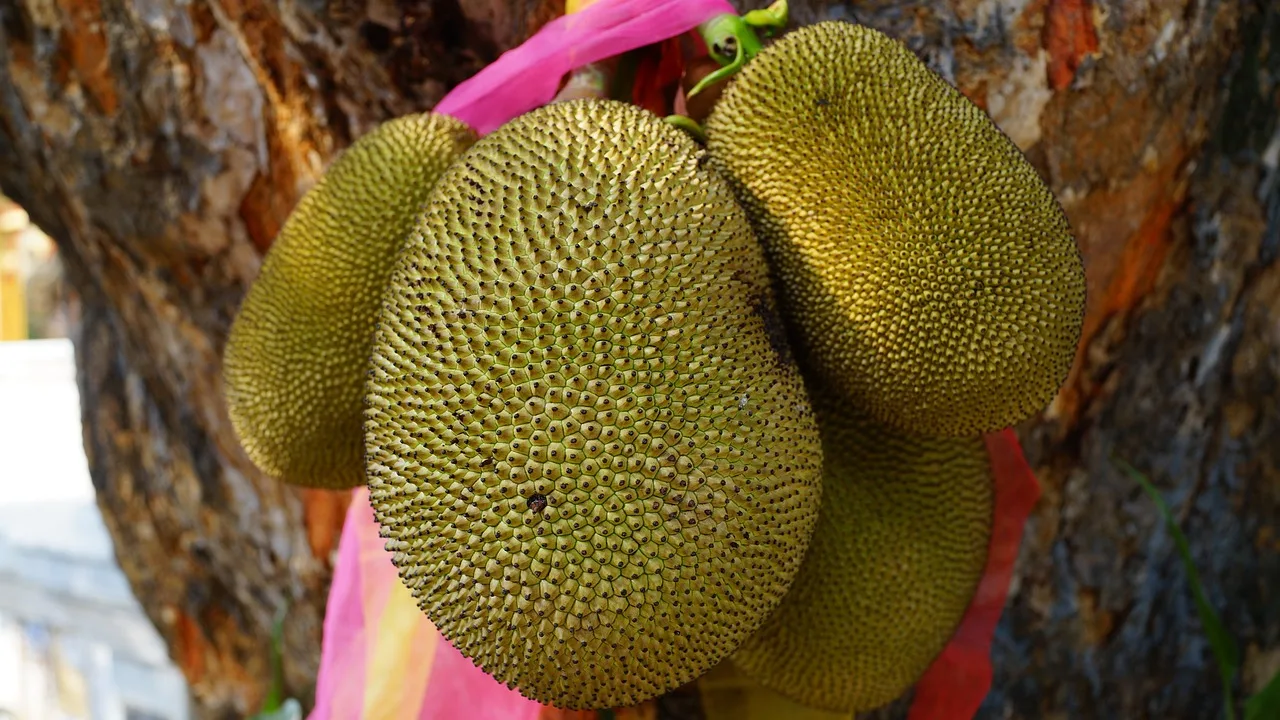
<point x="297" y="355"/>
<point x="591" y="453"/>
<point x="727" y="693"/>
<point x="900" y="545"/>
<point x="930" y="274"/>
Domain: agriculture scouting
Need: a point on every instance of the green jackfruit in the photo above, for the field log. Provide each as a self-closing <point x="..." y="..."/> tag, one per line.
<point x="900" y="546"/>
<point x="297" y="356"/>
<point x="588" y="447"/>
<point x="931" y="276"/>
<point x="727" y="693"/>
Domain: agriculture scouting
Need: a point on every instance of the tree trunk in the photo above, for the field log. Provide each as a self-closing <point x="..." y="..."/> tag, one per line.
<point x="163" y="142"/>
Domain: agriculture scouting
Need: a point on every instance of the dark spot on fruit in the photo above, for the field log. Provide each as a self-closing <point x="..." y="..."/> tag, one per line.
<point x="775" y="330"/>
<point x="538" y="503"/>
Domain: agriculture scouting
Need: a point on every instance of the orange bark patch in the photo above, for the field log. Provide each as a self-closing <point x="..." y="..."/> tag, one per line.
<point x="977" y="92"/>
<point x="266" y="37"/>
<point x="290" y="133"/>
<point x="1141" y="260"/>
<point x="189" y="648"/>
<point x="206" y="643"/>
<point x="1127" y="271"/>
<point x="273" y="195"/>
<point x="247" y="682"/>
<point x="1069" y="36"/>
<point x="1028" y="29"/>
<point x="1096" y="622"/>
<point x="323" y="512"/>
<point x="84" y="45"/>
<point x="262" y="209"/>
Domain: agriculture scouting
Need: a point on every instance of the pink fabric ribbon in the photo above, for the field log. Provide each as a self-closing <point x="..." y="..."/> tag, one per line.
<point x="382" y="658"/>
<point x="528" y="76"/>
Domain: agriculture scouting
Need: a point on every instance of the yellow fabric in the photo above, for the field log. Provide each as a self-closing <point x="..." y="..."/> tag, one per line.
<point x="403" y="641"/>
<point x="573" y="6"/>
<point x="13" y="305"/>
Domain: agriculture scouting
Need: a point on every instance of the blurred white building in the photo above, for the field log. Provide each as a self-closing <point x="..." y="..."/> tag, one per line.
<point x="74" y="642"/>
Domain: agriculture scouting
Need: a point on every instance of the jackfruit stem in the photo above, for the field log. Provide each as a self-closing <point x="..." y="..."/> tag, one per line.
<point x="768" y="19"/>
<point x="689" y="125"/>
<point x="732" y="42"/>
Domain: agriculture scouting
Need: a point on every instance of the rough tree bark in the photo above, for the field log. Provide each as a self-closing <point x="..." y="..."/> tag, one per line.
<point x="163" y="142"/>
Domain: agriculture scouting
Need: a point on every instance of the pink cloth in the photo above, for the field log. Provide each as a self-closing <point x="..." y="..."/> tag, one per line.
<point x="459" y="689"/>
<point x="382" y="658"/>
<point x="528" y="76"/>
<point x="343" y="617"/>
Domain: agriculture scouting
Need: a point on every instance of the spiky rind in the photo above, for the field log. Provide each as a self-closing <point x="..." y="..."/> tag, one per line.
<point x="297" y="356"/>
<point x="900" y="545"/>
<point x="595" y="464"/>
<point x="930" y="274"/>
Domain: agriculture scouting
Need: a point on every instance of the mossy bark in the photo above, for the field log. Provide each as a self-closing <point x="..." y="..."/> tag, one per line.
<point x="163" y="142"/>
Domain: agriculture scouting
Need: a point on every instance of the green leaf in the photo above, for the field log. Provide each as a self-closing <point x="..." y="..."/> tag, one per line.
<point x="1266" y="704"/>
<point x="275" y="702"/>
<point x="1220" y="641"/>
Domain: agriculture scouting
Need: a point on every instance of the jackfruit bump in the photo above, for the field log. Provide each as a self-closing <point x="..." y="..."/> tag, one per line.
<point x="297" y="356"/>
<point x="930" y="275"/>
<point x="594" y="473"/>
<point x="900" y="546"/>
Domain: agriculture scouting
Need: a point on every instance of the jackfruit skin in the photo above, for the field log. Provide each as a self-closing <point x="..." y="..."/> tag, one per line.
<point x="931" y="275"/>
<point x="297" y="355"/>
<point x="900" y="546"/>
<point x="588" y="447"/>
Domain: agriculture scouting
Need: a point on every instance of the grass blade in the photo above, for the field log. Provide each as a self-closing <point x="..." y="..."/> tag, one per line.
<point x="1266" y="704"/>
<point x="274" y="706"/>
<point x="275" y="695"/>
<point x="1220" y="641"/>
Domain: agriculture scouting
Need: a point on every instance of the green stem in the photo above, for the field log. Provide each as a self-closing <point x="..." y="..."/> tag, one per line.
<point x="689" y="125"/>
<point x="731" y="42"/>
<point x="768" y="19"/>
<point x="275" y="692"/>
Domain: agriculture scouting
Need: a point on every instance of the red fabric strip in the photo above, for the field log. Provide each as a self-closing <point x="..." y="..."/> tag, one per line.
<point x="955" y="684"/>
